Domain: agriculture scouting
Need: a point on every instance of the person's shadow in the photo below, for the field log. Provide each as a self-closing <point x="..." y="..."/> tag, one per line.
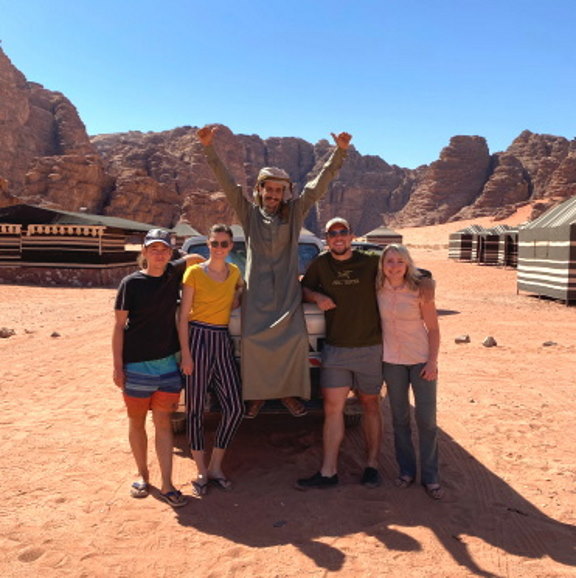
<point x="264" y="510"/>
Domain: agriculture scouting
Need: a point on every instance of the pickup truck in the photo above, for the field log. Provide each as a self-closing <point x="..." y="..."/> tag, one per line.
<point x="309" y="246"/>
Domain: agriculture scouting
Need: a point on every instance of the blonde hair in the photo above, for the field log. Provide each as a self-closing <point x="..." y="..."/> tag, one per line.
<point x="411" y="277"/>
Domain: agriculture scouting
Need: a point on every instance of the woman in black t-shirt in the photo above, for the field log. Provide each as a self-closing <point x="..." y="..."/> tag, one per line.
<point x="144" y="348"/>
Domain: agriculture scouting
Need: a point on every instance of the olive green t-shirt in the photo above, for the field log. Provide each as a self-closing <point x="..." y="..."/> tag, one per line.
<point x="355" y="322"/>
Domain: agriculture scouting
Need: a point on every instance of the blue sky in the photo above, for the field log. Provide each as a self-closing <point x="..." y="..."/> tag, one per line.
<point x="403" y="76"/>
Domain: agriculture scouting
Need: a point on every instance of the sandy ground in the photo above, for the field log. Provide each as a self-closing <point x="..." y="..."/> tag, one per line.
<point x="508" y="458"/>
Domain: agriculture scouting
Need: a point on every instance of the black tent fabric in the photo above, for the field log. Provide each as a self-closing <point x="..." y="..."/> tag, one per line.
<point x="547" y="253"/>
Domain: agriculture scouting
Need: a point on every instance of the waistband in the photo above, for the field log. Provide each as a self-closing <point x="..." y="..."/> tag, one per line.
<point x="208" y="326"/>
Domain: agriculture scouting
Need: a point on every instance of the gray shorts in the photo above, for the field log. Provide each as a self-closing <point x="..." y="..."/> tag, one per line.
<point x="358" y="368"/>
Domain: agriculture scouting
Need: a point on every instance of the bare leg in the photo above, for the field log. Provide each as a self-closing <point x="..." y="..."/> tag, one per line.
<point x="215" y="466"/>
<point x="199" y="457"/>
<point x="254" y="407"/>
<point x="164" y="447"/>
<point x="294" y="406"/>
<point x="372" y="426"/>
<point x="333" y="430"/>
<point x="139" y="445"/>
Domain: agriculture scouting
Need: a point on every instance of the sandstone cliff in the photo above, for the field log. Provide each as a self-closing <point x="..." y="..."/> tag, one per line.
<point x="47" y="158"/>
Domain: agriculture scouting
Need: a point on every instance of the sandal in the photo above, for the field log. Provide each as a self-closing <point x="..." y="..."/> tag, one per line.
<point x="200" y="487"/>
<point x="139" y="489"/>
<point x="434" y="491"/>
<point x="174" y="498"/>
<point x="296" y="408"/>
<point x="222" y="483"/>
<point x="403" y="481"/>
<point x="254" y="408"/>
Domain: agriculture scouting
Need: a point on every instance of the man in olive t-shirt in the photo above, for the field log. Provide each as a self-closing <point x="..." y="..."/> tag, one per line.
<point x="342" y="283"/>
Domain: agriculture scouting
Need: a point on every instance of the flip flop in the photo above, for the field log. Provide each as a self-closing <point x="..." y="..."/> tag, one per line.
<point x="436" y="493"/>
<point x="139" y="489"/>
<point x="174" y="498"/>
<point x="295" y="408"/>
<point x="403" y="482"/>
<point x="222" y="483"/>
<point x="254" y="408"/>
<point x="200" y="488"/>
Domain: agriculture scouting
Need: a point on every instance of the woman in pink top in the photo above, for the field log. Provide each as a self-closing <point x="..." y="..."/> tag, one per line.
<point x="411" y="339"/>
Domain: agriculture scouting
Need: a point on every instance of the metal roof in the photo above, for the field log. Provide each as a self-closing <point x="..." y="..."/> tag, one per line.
<point x="33" y="215"/>
<point x="382" y="230"/>
<point x="558" y="216"/>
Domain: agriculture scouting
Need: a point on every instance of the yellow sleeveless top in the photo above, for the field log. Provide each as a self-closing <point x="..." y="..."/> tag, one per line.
<point x="212" y="300"/>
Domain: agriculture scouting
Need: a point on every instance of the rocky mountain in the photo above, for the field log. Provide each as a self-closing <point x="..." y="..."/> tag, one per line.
<point x="47" y="158"/>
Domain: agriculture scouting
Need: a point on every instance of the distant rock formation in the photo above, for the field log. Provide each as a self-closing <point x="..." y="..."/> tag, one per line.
<point x="47" y="158"/>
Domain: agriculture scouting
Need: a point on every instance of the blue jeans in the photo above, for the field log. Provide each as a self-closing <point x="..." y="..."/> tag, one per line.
<point x="398" y="379"/>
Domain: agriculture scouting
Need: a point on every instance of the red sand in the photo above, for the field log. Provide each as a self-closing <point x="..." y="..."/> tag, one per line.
<point x="507" y="455"/>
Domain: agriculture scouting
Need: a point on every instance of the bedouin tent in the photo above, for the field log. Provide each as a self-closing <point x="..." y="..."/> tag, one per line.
<point x="383" y="236"/>
<point x="40" y="236"/>
<point x="497" y="246"/>
<point x="487" y="251"/>
<point x="508" y="246"/>
<point x="547" y="253"/>
<point x="461" y="243"/>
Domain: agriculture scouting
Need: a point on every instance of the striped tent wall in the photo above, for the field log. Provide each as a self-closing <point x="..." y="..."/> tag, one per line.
<point x="487" y="248"/>
<point x="462" y="245"/>
<point x="383" y="236"/>
<point x="547" y="254"/>
<point x="80" y="245"/>
<point x="508" y="247"/>
<point x="10" y="242"/>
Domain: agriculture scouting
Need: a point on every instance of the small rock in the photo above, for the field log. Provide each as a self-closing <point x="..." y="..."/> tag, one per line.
<point x="279" y="523"/>
<point x="549" y="343"/>
<point x="55" y="334"/>
<point x="462" y="339"/>
<point x="5" y="332"/>
<point x="489" y="342"/>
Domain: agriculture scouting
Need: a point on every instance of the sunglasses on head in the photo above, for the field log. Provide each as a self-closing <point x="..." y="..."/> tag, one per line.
<point x="223" y="244"/>
<point x="338" y="233"/>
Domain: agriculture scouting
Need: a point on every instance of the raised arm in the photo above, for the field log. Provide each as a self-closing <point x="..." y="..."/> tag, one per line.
<point x="232" y="190"/>
<point x="316" y="189"/>
<point x="342" y="140"/>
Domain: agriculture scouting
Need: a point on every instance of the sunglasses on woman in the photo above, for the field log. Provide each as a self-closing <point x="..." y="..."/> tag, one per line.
<point x="216" y="244"/>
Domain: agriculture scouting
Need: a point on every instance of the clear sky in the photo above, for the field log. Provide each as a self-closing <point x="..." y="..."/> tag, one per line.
<point x="403" y="76"/>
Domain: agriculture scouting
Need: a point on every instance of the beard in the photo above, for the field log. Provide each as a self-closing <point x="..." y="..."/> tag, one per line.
<point x="342" y="251"/>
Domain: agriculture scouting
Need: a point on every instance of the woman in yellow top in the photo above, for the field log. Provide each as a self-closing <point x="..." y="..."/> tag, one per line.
<point x="210" y="291"/>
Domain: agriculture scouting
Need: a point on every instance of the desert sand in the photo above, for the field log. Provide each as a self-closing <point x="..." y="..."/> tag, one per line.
<point x="507" y="454"/>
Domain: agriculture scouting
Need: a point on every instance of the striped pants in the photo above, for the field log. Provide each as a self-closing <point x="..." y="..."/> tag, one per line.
<point x="214" y="365"/>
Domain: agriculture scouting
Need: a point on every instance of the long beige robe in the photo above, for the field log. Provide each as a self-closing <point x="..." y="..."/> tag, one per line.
<point x="274" y="346"/>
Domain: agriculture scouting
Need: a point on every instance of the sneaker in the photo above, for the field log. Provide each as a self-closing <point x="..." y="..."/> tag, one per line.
<point x="371" y="478"/>
<point x="317" y="481"/>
